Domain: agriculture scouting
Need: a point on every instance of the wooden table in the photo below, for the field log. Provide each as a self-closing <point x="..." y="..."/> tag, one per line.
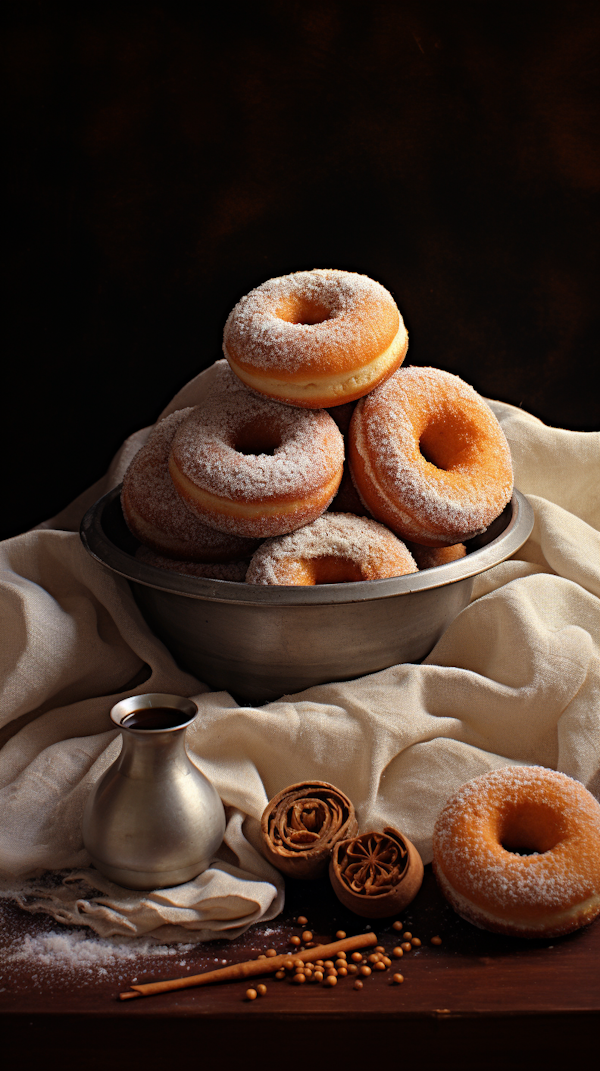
<point x="476" y="1001"/>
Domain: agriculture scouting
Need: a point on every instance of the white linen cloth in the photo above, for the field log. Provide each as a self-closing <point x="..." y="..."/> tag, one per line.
<point x="514" y="679"/>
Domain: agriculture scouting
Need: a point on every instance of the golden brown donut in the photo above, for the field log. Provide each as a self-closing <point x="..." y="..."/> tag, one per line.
<point x="336" y="548"/>
<point x="429" y="557"/>
<point x="315" y="338"/>
<point x="253" y="467"/>
<point x="481" y="843"/>
<point x="157" y="516"/>
<point x="429" y="458"/>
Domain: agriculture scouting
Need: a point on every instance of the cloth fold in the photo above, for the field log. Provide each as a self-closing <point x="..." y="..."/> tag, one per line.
<point x="514" y="679"/>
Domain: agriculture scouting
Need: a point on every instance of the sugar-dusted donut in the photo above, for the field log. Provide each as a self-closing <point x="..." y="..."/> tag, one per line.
<point x="517" y="851"/>
<point x="254" y="467"/>
<point x="235" y="571"/>
<point x="336" y="548"/>
<point x="429" y="557"/>
<point x="156" y="514"/>
<point x="429" y="458"/>
<point x="315" y="338"/>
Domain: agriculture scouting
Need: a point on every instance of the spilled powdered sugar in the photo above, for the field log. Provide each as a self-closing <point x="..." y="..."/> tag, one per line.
<point x="371" y="546"/>
<point x="360" y="316"/>
<point x="309" y="453"/>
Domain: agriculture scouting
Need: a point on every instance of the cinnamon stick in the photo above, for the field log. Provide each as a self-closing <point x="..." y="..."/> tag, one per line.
<point x="251" y="968"/>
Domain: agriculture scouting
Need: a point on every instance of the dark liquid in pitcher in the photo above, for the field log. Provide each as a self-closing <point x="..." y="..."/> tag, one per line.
<point x="155" y="718"/>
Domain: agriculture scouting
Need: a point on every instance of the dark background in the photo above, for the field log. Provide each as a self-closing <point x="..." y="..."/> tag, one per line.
<point x="164" y="159"/>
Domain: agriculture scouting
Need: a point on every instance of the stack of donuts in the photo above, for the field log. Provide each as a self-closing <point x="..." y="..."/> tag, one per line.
<point x="314" y="456"/>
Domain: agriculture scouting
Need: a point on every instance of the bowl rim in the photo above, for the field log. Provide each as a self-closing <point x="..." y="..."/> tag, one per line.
<point x="113" y="557"/>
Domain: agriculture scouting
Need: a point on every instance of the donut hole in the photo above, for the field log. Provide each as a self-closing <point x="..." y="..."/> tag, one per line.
<point x="303" y="311"/>
<point x="326" y="569"/>
<point x="531" y="828"/>
<point x="447" y="441"/>
<point x="255" y="439"/>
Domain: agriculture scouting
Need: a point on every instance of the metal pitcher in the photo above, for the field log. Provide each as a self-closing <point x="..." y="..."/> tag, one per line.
<point x="153" y="820"/>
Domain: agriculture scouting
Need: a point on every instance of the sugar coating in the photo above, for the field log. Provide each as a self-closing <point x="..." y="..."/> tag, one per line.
<point x="235" y="571"/>
<point x="362" y="321"/>
<point x="309" y="455"/>
<point x="364" y="542"/>
<point x="467" y="851"/>
<point x="155" y="512"/>
<point x="423" y="499"/>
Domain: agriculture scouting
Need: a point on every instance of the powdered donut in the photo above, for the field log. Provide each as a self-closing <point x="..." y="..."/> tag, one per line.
<point x="254" y="467"/>
<point x="479" y="841"/>
<point x="157" y="516"/>
<point x="429" y="458"/>
<point x="429" y="557"/>
<point x="315" y="338"/>
<point x="336" y="548"/>
<point x="208" y="570"/>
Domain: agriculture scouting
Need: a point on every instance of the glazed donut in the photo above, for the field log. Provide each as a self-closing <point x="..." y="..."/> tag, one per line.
<point x="336" y="548"/>
<point x="157" y="516"/>
<point x="254" y="467"/>
<point x="481" y="843"/>
<point x="429" y="458"/>
<point x="235" y="571"/>
<point x="315" y="338"/>
<point x="429" y="557"/>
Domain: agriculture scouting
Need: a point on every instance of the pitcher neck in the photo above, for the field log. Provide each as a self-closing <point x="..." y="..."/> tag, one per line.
<point x="153" y="756"/>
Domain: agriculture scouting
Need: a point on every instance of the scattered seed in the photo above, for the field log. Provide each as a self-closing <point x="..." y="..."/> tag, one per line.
<point x="357" y="957"/>
<point x="280" y="974"/>
<point x="301" y="920"/>
<point x="358" y="984"/>
<point x="379" y="948"/>
<point x="397" y="925"/>
<point x="340" y="963"/>
<point x="270" y="953"/>
<point x="261" y="989"/>
<point x="288" y="964"/>
<point x="307" y="935"/>
<point x="379" y="966"/>
<point x="342" y="955"/>
<point x="299" y="978"/>
<point x="342" y="972"/>
<point x="397" y="952"/>
<point x="386" y="960"/>
<point x="340" y="934"/>
<point x="397" y="979"/>
<point x="436" y="940"/>
<point x="331" y="980"/>
<point x="407" y="936"/>
<point x="365" y="971"/>
<point x="328" y="963"/>
<point x="262" y="956"/>
<point x="406" y="946"/>
<point x="415" y="942"/>
<point x="318" y="976"/>
<point x="352" y="968"/>
<point x="251" y="994"/>
<point x="295" y="941"/>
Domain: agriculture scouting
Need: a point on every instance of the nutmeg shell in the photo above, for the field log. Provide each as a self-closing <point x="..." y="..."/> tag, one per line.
<point x="301" y="824"/>
<point x="376" y="875"/>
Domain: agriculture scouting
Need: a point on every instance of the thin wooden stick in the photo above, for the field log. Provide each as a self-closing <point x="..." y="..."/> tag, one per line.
<point x="252" y="967"/>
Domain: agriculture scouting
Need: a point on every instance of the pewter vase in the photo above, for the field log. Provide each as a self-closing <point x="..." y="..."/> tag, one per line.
<point x="153" y="820"/>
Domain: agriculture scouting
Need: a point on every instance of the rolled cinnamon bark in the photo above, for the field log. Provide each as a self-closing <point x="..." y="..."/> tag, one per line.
<point x="376" y="874"/>
<point x="301" y="824"/>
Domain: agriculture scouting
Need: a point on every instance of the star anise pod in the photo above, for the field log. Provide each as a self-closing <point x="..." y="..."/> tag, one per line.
<point x="376" y="874"/>
<point x="302" y="823"/>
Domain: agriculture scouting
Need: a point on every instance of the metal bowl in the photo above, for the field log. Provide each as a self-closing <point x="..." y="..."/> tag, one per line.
<point x="260" y="643"/>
